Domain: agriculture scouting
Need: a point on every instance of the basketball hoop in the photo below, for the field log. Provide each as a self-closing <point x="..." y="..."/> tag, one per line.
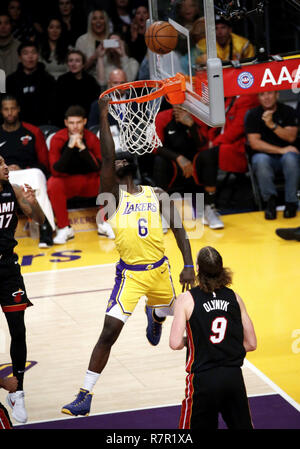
<point x="135" y="106"/>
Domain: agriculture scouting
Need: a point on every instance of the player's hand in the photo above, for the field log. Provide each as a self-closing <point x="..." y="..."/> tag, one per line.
<point x="103" y="104"/>
<point x="187" y="278"/>
<point x="9" y="383"/>
<point x="29" y="193"/>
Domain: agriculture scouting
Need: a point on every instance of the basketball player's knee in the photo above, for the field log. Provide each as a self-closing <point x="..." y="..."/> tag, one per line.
<point x="18" y="332"/>
<point x="108" y="336"/>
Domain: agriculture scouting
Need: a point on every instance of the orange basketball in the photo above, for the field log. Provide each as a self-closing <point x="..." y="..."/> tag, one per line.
<point x="161" y="37"/>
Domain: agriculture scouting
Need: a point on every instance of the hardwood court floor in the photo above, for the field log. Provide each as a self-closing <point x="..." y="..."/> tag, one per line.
<point x="70" y="284"/>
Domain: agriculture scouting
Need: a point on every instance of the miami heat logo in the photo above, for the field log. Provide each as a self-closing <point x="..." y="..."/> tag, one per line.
<point x="18" y="296"/>
<point x="26" y="139"/>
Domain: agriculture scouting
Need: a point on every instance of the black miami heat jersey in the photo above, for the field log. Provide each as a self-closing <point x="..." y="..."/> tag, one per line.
<point x="8" y="219"/>
<point x="214" y="331"/>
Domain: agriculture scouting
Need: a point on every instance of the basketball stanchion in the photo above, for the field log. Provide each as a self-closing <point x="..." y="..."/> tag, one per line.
<point x="135" y="105"/>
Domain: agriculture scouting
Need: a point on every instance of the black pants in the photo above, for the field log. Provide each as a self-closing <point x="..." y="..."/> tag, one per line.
<point x="167" y="173"/>
<point x="208" y="393"/>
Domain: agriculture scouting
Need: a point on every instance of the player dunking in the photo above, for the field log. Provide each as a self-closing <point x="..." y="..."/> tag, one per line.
<point x="143" y="269"/>
<point x="13" y="297"/>
<point x="219" y="333"/>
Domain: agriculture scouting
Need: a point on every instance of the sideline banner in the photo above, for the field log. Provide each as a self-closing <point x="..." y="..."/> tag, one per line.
<point x="261" y="77"/>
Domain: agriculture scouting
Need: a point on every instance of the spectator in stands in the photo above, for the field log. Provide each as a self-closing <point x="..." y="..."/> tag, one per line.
<point x="116" y="77"/>
<point x="187" y="11"/>
<point x="75" y="163"/>
<point x="53" y="48"/>
<point x="74" y="87"/>
<point x="230" y="46"/>
<point x="24" y="149"/>
<point x="120" y="13"/>
<point x="272" y="129"/>
<point x="135" y="37"/>
<point x="185" y="161"/>
<point x="32" y="85"/>
<point x="197" y="32"/>
<point x="110" y="58"/>
<point x="8" y="46"/>
<point x="22" y="24"/>
<point x="71" y="16"/>
<point x="98" y="29"/>
<point x="231" y="139"/>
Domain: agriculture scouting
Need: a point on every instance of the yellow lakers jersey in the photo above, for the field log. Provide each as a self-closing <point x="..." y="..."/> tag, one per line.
<point x="137" y="227"/>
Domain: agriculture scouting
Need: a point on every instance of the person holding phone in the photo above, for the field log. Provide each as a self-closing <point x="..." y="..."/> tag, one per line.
<point x="113" y="54"/>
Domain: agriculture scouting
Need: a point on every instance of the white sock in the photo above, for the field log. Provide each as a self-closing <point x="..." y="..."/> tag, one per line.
<point x="162" y="312"/>
<point x="90" y="380"/>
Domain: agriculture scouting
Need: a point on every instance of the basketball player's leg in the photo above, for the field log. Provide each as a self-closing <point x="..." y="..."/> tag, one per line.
<point x="235" y="406"/>
<point x="124" y="297"/>
<point x="199" y="408"/>
<point x="14" y="301"/>
<point x="18" y="354"/>
<point x="18" y="347"/>
<point x="162" y="295"/>
<point x="111" y="330"/>
<point x="160" y="302"/>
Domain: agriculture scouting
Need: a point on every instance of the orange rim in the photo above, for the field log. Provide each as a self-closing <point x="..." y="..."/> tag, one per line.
<point x="173" y="88"/>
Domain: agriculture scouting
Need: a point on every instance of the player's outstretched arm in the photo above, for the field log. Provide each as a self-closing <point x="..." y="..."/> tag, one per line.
<point x="170" y="213"/>
<point x="108" y="181"/>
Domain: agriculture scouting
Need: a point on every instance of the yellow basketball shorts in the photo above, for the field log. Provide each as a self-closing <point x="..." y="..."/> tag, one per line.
<point x="134" y="281"/>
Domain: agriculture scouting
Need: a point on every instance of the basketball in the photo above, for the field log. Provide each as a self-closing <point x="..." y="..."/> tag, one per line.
<point x="161" y="37"/>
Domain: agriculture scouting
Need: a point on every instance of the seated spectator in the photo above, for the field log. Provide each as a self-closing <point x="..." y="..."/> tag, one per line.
<point x="8" y="46"/>
<point x="24" y="149"/>
<point x="71" y="16"/>
<point x="22" y="25"/>
<point x="115" y="58"/>
<point x="116" y="77"/>
<point x="135" y="38"/>
<point x="53" y="48"/>
<point x="230" y="46"/>
<point x="75" y="163"/>
<point x="120" y="13"/>
<point x="272" y="129"/>
<point x="231" y="139"/>
<point x="74" y="87"/>
<point x="185" y="160"/>
<point x="32" y="85"/>
<point x="98" y="29"/>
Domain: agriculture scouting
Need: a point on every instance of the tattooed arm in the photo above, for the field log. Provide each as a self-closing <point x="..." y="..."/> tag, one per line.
<point x="28" y="203"/>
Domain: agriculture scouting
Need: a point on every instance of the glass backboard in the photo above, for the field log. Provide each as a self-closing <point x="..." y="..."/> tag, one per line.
<point x="194" y="20"/>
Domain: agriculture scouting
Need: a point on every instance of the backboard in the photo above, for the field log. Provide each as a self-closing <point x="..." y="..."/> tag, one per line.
<point x="204" y="75"/>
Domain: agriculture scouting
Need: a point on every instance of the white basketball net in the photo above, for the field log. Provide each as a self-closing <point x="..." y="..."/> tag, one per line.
<point x="136" y="120"/>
